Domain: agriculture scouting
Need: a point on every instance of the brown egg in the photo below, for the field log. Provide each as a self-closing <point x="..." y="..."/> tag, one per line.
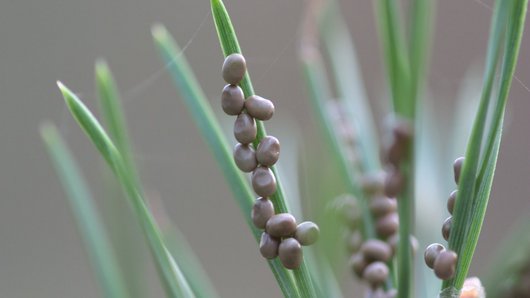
<point x="245" y="157"/>
<point x="431" y="252"/>
<point x="259" y="107"/>
<point x="290" y="253"/>
<point x="268" y="151"/>
<point x="395" y="152"/>
<point x="268" y="246"/>
<point x="232" y="100"/>
<point x="245" y="129"/>
<point x="358" y="263"/>
<point x="234" y="68"/>
<point x="387" y="225"/>
<point x="394" y="182"/>
<point x="262" y="211"/>
<point x="457" y="167"/>
<point x="446" y="227"/>
<point x="376" y="273"/>
<point x="307" y="233"/>
<point x="445" y="264"/>
<point x="376" y="250"/>
<point x="281" y="225"/>
<point x="263" y="182"/>
<point x="373" y="183"/>
<point x="403" y="130"/>
<point x="451" y="202"/>
<point x="382" y="205"/>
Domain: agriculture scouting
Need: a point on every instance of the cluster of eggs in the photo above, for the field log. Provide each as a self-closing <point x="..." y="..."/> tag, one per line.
<point x="437" y="257"/>
<point x="282" y="237"/>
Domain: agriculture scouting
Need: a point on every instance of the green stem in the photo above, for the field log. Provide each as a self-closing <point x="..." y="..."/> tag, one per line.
<point x="98" y="246"/>
<point x="406" y="224"/>
<point x="403" y="93"/>
<point x="173" y="280"/>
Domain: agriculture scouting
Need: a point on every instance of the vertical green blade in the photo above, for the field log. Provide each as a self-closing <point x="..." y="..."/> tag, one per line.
<point x="83" y="207"/>
<point x="174" y="282"/>
<point x="123" y="228"/>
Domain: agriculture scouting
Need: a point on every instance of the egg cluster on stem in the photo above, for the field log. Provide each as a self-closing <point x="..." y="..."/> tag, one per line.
<point x="282" y="237"/>
<point x="441" y="260"/>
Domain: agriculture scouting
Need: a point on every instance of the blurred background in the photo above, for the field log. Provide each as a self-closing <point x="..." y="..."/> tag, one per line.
<point x="41" y="41"/>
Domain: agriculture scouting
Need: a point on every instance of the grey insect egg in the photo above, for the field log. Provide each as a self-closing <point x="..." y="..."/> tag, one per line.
<point x="431" y="253"/>
<point x="394" y="182"/>
<point x="245" y="157"/>
<point x="263" y="182"/>
<point x="382" y="205"/>
<point x="307" y="233"/>
<point x="451" y="202"/>
<point x="402" y="132"/>
<point x="268" y="246"/>
<point x="232" y="100"/>
<point x="376" y="273"/>
<point x="358" y="264"/>
<point x="259" y="107"/>
<point x="290" y="253"/>
<point x="245" y="130"/>
<point x="376" y="250"/>
<point x="387" y="225"/>
<point x="457" y="167"/>
<point x="373" y="183"/>
<point x="445" y="263"/>
<point x="234" y="68"/>
<point x="446" y="227"/>
<point x="281" y="225"/>
<point x="262" y="211"/>
<point x="395" y="152"/>
<point x="268" y="151"/>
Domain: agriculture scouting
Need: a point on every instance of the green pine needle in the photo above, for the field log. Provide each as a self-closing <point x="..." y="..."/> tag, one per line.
<point x="404" y="81"/>
<point x="173" y="280"/>
<point x="83" y="207"/>
<point x="113" y="116"/>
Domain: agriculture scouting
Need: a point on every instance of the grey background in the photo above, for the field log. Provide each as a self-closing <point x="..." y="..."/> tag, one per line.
<point x="42" y="41"/>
